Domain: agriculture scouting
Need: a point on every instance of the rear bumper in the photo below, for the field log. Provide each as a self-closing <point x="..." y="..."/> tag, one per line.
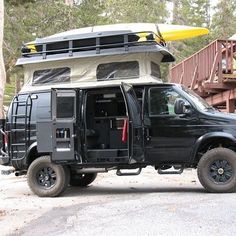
<point x="4" y="160"/>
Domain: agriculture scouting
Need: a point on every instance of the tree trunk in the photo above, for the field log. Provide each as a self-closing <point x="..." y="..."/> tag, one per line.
<point x="2" y="67"/>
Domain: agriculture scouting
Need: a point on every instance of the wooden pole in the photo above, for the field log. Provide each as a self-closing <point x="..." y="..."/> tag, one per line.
<point x="230" y="105"/>
<point x="2" y="66"/>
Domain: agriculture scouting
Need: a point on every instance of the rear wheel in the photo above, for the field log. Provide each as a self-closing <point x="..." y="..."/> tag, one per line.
<point x="47" y="179"/>
<point x="82" y="180"/>
<point x="217" y="170"/>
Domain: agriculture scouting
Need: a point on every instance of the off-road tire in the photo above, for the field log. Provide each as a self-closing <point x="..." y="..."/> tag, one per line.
<point x="60" y="179"/>
<point x="82" y="180"/>
<point x="217" y="170"/>
<point x="67" y="174"/>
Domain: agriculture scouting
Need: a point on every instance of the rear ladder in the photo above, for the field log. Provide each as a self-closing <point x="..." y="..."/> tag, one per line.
<point x="19" y="149"/>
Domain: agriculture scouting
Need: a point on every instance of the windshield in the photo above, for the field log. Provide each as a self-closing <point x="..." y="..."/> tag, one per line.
<point x="198" y="101"/>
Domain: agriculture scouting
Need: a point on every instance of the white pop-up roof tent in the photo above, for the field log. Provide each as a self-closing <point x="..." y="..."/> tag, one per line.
<point x="75" y="56"/>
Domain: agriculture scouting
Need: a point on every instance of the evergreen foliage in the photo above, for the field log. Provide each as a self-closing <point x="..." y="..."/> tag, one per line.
<point x="26" y="20"/>
<point x="192" y="13"/>
<point x="224" y="19"/>
<point x="130" y="11"/>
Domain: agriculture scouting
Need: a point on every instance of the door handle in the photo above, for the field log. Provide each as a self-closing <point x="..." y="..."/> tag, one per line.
<point x="148" y="137"/>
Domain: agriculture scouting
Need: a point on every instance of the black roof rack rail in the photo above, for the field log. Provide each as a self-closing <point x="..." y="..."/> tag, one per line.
<point x="93" y="41"/>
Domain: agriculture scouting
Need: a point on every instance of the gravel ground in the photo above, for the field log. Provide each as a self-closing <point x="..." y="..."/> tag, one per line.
<point x="148" y="204"/>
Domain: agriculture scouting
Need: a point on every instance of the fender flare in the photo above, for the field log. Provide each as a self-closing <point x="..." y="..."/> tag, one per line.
<point x="31" y="147"/>
<point x="208" y="136"/>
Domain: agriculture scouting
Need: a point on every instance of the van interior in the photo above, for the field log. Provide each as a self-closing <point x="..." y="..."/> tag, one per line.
<point x="105" y="119"/>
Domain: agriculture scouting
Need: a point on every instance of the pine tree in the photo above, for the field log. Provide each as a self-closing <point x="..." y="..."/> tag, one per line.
<point x="26" y="20"/>
<point x="91" y="12"/>
<point x="133" y="11"/>
<point x="192" y="13"/>
<point x="224" y="19"/>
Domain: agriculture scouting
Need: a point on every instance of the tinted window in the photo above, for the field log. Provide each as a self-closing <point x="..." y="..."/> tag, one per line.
<point x="51" y="76"/>
<point x="162" y="100"/>
<point x="65" y="105"/>
<point x="198" y="101"/>
<point x="155" y="70"/>
<point x="118" y="70"/>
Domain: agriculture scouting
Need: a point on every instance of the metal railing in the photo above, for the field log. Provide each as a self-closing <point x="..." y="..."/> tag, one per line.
<point x="97" y="43"/>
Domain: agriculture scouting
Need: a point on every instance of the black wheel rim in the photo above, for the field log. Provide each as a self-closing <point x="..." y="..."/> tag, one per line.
<point x="221" y="171"/>
<point x="46" y="177"/>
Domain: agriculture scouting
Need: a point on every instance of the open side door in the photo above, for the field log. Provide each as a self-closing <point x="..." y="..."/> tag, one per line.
<point x="63" y="107"/>
<point x="135" y="126"/>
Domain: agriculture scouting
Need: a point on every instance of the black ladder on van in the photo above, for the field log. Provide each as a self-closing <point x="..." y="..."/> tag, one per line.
<point x="20" y="127"/>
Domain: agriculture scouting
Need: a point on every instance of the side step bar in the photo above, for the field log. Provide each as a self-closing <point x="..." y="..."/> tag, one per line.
<point x="171" y="172"/>
<point x="120" y="173"/>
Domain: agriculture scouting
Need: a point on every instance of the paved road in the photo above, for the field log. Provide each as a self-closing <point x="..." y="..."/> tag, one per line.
<point x="147" y="204"/>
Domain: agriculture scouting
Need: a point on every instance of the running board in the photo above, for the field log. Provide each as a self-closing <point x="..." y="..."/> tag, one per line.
<point x="166" y="172"/>
<point x="120" y="173"/>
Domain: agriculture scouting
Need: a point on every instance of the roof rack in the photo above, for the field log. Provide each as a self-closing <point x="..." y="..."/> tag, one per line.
<point x="89" y="42"/>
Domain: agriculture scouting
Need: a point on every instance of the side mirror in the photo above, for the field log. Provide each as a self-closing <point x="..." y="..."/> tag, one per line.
<point x="181" y="107"/>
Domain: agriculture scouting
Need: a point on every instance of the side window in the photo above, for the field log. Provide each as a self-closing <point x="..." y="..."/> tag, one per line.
<point x="155" y="70"/>
<point x="161" y="101"/>
<point x="65" y="107"/>
<point x="118" y="70"/>
<point x="51" y="76"/>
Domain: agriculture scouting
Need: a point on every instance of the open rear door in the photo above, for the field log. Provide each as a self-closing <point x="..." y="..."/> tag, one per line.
<point x="135" y="127"/>
<point x="57" y="135"/>
<point x="63" y="124"/>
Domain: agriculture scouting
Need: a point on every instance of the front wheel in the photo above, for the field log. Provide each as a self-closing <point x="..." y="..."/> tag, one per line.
<point x="217" y="170"/>
<point x="47" y="179"/>
<point x="82" y="180"/>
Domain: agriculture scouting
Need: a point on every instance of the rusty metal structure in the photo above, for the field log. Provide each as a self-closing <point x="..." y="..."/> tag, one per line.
<point x="211" y="72"/>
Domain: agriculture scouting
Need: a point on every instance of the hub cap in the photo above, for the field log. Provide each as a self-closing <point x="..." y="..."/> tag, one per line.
<point x="221" y="171"/>
<point x="46" y="177"/>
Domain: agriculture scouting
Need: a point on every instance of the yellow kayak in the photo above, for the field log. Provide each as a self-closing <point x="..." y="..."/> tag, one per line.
<point x="180" y="32"/>
<point x="168" y="32"/>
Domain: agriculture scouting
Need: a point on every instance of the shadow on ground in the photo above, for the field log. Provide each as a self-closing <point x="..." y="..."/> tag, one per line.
<point x="99" y="190"/>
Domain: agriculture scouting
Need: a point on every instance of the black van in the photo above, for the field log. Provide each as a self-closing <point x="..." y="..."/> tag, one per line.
<point x="65" y="134"/>
<point x="88" y="130"/>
